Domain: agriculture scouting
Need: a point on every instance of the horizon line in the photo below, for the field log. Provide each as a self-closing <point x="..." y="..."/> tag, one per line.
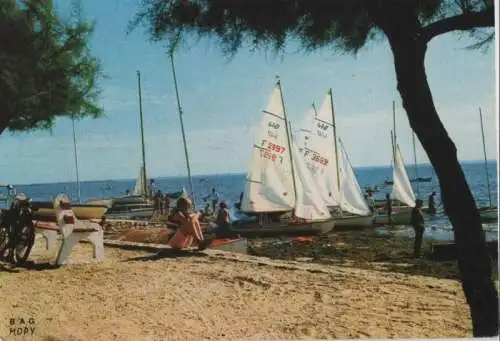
<point x="227" y="173"/>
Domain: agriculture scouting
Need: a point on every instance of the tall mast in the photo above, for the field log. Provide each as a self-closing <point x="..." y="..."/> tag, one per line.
<point x="143" y="173"/>
<point x="335" y="140"/>
<point x="278" y="83"/>
<point x="415" y="163"/>
<point x="485" y="159"/>
<point x="179" y="107"/>
<point x="394" y="121"/>
<point x="393" y="150"/>
<point x="76" y="161"/>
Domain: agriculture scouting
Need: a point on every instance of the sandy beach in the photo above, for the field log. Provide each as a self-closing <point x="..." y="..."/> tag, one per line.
<point x="216" y="295"/>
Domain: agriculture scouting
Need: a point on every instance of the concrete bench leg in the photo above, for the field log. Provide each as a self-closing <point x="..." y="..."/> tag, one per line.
<point x="68" y="243"/>
<point x="97" y="240"/>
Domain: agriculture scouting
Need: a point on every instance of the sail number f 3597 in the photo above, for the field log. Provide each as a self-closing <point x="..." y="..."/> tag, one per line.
<point x="271" y="151"/>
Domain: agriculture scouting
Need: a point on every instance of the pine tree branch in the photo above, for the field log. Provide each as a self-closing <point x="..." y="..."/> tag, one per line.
<point x="462" y="22"/>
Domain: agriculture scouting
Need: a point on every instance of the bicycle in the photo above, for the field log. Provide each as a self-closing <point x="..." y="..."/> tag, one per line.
<point x="17" y="232"/>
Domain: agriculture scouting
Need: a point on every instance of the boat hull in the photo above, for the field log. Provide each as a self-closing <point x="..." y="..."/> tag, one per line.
<point x="398" y="218"/>
<point x="354" y="221"/>
<point x="488" y="214"/>
<point x="256" y="229"/>
<point x="134" y="214"/>
<point x="83" y="211"/>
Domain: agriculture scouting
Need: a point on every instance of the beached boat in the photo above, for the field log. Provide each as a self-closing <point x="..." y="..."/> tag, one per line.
<point x="331" y="170"/>
<point x="488" y="214"/>
<point x="280" y="196"/>
<point x="46" y="211"/>
<point x="136" y="205"/>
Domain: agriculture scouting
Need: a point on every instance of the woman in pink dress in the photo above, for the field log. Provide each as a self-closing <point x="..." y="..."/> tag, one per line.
<point x="189" y="230"/>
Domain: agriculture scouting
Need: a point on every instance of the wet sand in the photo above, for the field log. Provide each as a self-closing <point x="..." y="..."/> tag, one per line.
<point x="365" y="288"/>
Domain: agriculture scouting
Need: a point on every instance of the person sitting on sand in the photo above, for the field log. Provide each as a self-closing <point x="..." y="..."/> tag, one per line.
<point x="189" y="230"/>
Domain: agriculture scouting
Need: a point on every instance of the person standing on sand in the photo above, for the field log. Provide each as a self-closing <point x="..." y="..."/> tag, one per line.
<point x="417" y="221"/>
<point x="223" y="219"/>
<point x="432" y="203"/>
<point x="166" y="205"/>
<point x="157" y="202"/>
<point x="388" y="207"/>
<point x="371" y="202"/>
<point x="214" y="198"/>
<point x="152" y="187"/>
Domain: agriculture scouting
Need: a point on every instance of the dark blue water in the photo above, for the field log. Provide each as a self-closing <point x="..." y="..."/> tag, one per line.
<point x="229" y="187"/>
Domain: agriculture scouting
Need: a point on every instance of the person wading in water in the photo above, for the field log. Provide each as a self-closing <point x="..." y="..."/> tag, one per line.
<point x="432" y="203"/>
<point x="417" y="221"/>
<point x="388" y="207"/>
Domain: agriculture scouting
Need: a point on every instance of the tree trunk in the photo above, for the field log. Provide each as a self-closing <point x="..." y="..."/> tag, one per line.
<point x="473" y="258"/>
<point x="4" y="122"/>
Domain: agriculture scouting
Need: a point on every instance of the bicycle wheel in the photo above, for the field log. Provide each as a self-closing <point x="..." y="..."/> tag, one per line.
<point x="24" y="243"/>
<point x="4" y="239"/>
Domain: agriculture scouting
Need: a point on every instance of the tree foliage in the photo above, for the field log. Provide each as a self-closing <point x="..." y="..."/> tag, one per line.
<point x="46" y="66"/>
<point x="343" y="25"/>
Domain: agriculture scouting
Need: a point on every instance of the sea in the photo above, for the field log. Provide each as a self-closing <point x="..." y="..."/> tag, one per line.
<point x="229" y="187"/>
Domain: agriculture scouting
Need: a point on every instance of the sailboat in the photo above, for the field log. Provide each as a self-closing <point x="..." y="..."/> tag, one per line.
<point x="489" y="213"/>
<point x="137" y="204"/>
<point x="332" y="171"/>
<point x="402" y="194"/>
<point x="280" y="196"/>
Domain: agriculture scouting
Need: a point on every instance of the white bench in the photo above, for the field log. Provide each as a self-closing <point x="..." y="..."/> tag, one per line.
<point x="71" y="235"/>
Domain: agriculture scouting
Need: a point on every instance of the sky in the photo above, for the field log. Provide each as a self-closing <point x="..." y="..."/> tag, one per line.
<point x="222" y="101"/>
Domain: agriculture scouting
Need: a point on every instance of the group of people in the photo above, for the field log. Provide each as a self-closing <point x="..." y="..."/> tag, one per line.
<point x="161" y="203"/>
<point x="189" y="229"/>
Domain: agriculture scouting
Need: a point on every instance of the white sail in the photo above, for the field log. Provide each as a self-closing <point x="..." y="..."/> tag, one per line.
<point x="307" y="127"/>
<point x="401" y="188"/>
<point x="269" y="184"/>
<point x="353" y="200"/>
<point x="319" y="154"/>
<point x="139" y="185"/>
<point x="310" y="205"/>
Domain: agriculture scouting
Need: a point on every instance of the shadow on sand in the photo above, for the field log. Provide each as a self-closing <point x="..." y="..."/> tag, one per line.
<point x="29" y="265"/>
<point x="168" y="253"/>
